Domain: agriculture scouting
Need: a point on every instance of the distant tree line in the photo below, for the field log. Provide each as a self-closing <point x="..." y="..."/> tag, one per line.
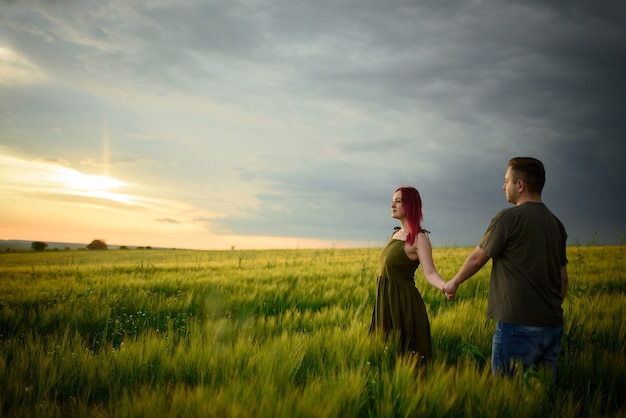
<point x="96" y="244"/>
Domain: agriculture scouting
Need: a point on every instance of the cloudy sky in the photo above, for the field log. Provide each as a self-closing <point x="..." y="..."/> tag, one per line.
<point x="286" y="123"/>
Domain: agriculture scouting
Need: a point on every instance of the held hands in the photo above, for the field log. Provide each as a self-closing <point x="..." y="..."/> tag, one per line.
<point x="449" y="289"/>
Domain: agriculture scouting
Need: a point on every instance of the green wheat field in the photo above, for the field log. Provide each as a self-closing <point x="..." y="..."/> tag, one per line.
<point x="282" y="333"/>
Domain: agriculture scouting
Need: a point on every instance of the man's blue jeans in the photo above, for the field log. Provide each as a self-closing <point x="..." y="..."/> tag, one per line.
<point x="533" y="346"/>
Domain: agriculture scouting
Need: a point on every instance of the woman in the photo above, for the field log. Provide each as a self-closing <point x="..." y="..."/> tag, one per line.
<point x="399" y="307"/>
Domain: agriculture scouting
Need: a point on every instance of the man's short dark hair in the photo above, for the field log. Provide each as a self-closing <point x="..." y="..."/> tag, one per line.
<point x="530" y="170"/>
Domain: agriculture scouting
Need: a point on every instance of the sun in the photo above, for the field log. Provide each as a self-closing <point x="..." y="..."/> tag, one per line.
<point x="90" y="182"/>
<point x="90" y="185"/>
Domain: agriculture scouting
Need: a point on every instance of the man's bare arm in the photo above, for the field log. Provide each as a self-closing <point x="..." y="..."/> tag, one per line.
<point x="474" y="262"/>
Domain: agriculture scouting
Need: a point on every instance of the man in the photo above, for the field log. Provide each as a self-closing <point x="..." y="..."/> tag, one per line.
<point x="528" y="276"/>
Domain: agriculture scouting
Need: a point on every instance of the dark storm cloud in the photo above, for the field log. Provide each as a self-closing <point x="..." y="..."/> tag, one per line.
<point x="540" y="79"/>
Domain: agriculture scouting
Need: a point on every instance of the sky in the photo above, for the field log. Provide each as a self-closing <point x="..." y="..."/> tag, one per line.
<point x="257" y="124"/>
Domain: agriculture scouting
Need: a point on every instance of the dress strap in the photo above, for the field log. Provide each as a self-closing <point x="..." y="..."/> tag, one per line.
<point x="397" y="228"/>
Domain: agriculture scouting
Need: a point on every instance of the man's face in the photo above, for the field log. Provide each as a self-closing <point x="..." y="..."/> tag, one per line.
<point x="510" y="187"/>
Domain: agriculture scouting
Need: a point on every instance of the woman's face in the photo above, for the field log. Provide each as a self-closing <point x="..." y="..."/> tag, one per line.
<point x="397" y="210"/>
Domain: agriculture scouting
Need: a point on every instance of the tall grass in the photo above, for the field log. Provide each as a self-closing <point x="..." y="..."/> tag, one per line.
<point x="281" y="334"/>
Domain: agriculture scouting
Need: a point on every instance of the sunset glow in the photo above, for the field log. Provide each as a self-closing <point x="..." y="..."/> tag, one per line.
<point x="45" y="201"/>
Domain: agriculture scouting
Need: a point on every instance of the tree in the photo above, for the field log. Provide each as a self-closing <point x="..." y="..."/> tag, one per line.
<point x="38" y="246"/>
<point x="97" y="244"/>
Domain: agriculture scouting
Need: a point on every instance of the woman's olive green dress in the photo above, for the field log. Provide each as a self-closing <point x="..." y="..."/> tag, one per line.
<point x="399" y="307"/>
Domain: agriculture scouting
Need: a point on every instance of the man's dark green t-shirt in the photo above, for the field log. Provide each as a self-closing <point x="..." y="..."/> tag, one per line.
<point x="527" y="246"/>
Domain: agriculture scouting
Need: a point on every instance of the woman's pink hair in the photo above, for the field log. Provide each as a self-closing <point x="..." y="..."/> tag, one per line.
<point x="412" y="203"/>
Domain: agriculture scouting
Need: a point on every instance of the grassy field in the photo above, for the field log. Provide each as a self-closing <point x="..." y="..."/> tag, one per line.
<point x="168" y="333"/>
